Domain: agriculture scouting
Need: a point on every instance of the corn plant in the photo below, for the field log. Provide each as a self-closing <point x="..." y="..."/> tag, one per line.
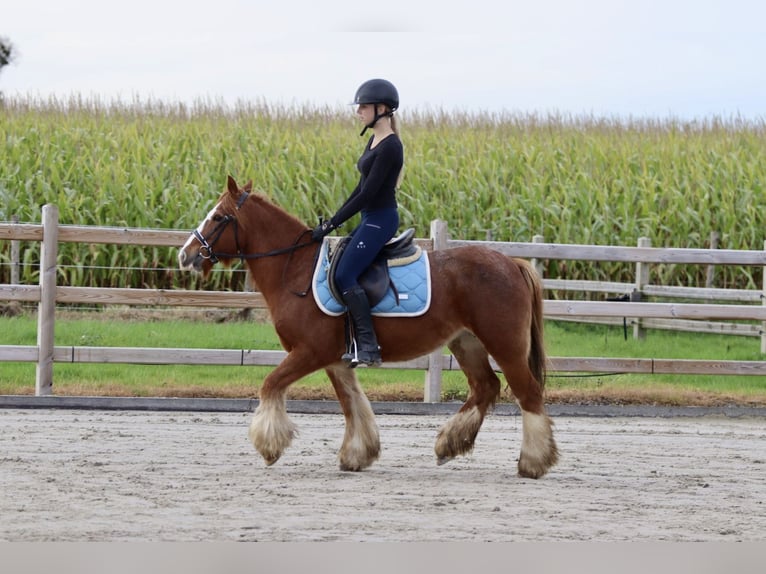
<point x="572" y="180"/>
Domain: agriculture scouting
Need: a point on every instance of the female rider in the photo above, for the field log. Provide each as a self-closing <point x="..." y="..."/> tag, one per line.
<point x="380" y="166"/>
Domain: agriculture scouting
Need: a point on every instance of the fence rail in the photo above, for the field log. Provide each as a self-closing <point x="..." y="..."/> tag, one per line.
<point x="253" y="357"/>
<point x="643" y="314"/>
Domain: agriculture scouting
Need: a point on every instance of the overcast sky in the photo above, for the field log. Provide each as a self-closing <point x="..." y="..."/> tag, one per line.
<point x="642" y="58"/>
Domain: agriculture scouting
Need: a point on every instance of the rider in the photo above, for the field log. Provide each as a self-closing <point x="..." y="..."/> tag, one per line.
<point x="380" y="166"/>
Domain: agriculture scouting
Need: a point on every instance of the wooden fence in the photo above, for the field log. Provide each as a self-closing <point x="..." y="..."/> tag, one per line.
<point x="47" y="295"/>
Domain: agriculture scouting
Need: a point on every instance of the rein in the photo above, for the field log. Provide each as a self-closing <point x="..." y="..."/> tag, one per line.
<point x="215" y="255"/>
<point x="208" y="243"/>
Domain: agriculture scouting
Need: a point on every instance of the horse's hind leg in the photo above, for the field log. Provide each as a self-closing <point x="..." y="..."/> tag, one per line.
<point x="361" y="442"/>
<point x="458" y="434"/>
<point x="538" y="447"/>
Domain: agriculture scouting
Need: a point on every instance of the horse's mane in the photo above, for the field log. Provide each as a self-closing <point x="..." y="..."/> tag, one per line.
<point x="258" y="210"/>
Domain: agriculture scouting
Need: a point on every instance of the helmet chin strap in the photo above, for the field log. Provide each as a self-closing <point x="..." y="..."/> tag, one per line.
<point x="375" y="120"/>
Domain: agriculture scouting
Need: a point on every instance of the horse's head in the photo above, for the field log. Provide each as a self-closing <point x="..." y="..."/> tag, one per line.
<point x="216" y="238"/>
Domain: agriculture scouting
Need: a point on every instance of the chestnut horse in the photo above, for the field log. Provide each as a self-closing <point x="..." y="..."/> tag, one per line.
<point x="483" y="303"/>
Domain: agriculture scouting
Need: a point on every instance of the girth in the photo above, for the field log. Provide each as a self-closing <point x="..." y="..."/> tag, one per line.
<point x="375" y="280"/>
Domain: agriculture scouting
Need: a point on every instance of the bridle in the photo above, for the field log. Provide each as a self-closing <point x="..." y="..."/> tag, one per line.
<point x="207" y="250"/>
<point x="208" y="243"/>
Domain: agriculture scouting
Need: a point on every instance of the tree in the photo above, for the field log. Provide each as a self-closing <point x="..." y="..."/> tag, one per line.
<point x="7" y="52"/>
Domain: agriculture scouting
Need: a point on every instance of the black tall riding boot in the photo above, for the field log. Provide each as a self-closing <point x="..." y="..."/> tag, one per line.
<point x="366" y="351"/>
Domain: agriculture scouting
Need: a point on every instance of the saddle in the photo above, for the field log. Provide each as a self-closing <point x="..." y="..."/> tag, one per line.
<point x="376" y="280"/>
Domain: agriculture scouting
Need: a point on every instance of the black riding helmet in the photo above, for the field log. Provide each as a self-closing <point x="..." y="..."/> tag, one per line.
<point x="377" y="91"/>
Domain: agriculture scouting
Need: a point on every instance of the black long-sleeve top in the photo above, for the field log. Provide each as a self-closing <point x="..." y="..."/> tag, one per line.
<point x="379" y="168"/>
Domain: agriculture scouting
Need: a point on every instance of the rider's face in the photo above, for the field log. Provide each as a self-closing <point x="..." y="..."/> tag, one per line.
<point x="365" y="113"/>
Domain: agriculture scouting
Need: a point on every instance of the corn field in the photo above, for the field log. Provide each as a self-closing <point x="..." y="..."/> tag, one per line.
<point x="582" y="180"/>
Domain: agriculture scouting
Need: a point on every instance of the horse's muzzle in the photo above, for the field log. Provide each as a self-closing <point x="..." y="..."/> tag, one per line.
<point x="194" y="262"/>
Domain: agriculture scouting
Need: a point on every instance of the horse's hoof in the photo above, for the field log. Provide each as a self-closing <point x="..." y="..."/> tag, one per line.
<point x="443" y="460"/>
<point x="530" y="467"/>
<point x="531" y="473"/>
<point x="349" y="467"/>
<point x="269" y="460"/>
<point x="528" y="470"/>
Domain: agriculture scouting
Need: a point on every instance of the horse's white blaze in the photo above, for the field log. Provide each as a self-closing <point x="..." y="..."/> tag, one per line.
<point x="200" y="227"/>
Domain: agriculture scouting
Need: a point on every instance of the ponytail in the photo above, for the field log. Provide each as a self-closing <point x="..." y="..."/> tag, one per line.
<point x="395" y="128"/>
<point x="394" y="124"/>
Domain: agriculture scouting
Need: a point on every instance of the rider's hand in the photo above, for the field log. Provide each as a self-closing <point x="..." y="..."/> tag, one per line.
<point x="321" y="230"/>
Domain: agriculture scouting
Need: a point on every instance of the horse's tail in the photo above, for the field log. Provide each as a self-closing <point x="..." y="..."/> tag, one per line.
<point x="537" y="360"/>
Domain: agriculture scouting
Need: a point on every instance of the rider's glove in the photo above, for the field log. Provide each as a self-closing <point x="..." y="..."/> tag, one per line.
<point x="321" y="230"/>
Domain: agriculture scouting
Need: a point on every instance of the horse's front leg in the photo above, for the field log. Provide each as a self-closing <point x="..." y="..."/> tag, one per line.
<point x="361" y="441"/>
<point x="271" y="430"/>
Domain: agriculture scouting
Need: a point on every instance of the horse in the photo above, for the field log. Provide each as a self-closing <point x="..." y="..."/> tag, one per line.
<point x="483" y="304"/>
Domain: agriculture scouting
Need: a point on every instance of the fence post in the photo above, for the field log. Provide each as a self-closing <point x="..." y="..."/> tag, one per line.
<point x="710" y="271"/>
<point x="536" y="263"/>
<point x="432" y="391"/>
<point x="15" y="257"/>
<point x="763" y="301"/>
<point x="47" y="308"/>
<point x="642" y="278"/>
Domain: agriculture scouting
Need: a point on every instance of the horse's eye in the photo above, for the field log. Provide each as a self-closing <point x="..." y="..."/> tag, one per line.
<point x="217" y="217"/>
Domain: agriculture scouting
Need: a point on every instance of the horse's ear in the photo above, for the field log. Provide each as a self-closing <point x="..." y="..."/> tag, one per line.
<point x="232" y="185"/>
<point x="248" y="186"/>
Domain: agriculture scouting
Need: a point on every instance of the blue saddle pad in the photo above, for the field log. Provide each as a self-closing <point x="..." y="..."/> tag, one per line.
<point x="412" y="281"/>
